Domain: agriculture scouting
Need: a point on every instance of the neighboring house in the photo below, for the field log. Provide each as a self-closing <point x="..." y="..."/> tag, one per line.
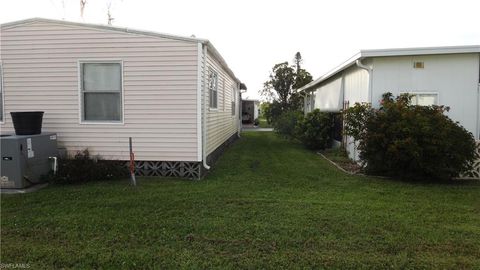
<point x="250" y="109"/>
<point x="438" y="75"/>
<point x="99" y="85"/>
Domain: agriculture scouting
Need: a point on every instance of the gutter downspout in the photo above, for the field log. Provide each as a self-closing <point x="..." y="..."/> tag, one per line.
<point x="205" y="109"/>
<point x="239" y="104"/>
<point x="369" y="70"/>
<point x="199" y="102"/>
<point x="478" y="100"/>
<point x="478" y="111"/>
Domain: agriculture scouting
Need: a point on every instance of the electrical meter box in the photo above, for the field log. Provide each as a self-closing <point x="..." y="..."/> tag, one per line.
<point x="26" y="158"/>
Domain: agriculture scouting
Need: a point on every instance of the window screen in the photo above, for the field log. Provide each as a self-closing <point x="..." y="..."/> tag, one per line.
<point x="425" y="99"/>
<point x="101" y="91"/>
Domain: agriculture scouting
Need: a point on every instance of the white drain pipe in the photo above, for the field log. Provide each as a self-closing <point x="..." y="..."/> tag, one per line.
<point x="369" y="70"/>
<point x="205" y="109"/>
<point x="55" y="164"/>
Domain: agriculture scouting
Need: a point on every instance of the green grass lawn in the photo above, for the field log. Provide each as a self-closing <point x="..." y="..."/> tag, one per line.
<point x="267" y="204"/>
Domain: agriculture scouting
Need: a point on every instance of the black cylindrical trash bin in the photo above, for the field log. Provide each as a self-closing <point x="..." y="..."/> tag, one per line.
<point x="27" y="123"/>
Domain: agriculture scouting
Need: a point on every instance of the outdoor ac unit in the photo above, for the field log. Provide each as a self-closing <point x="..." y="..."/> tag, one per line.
<point x="26" y="158"/>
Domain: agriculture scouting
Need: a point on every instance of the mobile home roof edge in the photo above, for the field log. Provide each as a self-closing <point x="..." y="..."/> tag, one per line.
<point x="103" y="27"/>
<point x="392" y="52"/>
<point x="206" y="42"/>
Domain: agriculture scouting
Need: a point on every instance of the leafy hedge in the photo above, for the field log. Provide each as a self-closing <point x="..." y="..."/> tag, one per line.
<point x="285" y="124"/>
<point x="315" y="130"/>
<point x="82" y="167"/>
<point x="416" y="142"/>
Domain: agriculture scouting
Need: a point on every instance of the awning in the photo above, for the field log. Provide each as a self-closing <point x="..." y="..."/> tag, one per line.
<point x="329" y="97"/>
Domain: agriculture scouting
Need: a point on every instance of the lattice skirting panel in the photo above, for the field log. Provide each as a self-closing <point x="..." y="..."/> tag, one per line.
<point x="475" y="172"/>
<point x="190" y="170"/>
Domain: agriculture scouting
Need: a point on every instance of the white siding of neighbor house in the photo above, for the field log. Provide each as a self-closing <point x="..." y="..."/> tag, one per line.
<point x="355" y="85"/>
<point x="40" y="70"/>
<point x="455" y="77"/>
<point x="355" y="90"/>
<point x="349" y="85"/>
<point x="221" y="124"/>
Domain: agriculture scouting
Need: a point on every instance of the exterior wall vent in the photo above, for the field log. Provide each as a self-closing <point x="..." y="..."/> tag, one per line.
<point x="418" y="65"/>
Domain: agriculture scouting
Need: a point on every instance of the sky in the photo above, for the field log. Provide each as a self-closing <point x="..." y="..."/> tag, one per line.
<point x="253" y="35"/>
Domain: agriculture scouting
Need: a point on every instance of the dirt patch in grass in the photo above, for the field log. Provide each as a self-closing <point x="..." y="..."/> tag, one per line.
<point x="339" y="158"/>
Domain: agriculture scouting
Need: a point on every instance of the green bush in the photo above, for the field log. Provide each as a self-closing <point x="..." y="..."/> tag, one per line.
<point x="82" y="167"/>
<point x="272" y="111"/>
<point x="315" y="131"/>
<point x="415" y="142"/>
<point x="285" y="124"/>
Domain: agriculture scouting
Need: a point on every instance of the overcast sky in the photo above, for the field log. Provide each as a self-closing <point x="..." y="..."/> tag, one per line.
<point x="253" y="35"/>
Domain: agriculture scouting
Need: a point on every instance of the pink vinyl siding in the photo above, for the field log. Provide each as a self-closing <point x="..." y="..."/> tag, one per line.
<point x="221" y="124"/>
<point x="40" y="70"/>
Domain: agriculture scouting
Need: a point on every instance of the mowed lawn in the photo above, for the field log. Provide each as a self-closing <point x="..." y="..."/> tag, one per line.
<point x="267" y="204"/>
<point x="262" y="122"/>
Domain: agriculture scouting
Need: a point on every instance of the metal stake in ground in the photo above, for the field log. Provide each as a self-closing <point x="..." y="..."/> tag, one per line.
<point x="132" y="163"/>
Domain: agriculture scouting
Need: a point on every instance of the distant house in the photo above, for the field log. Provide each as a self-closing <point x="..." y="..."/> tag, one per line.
<point x="438" y="75"/>
<point x="250" y="109"/>
<point x="98" y="85"/>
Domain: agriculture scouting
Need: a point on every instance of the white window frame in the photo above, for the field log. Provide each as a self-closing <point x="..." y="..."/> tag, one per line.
<point x="212" y="73"/>
<point x="80" y="92"/>
<point x="414" y="93"/>
<point x="2" y="94"/>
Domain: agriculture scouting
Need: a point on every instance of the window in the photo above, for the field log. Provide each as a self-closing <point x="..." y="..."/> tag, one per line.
<point x="213" y="89"/>
<point x="1" y="93"/>
<point x="234" y="98"/>
<point x="224" y="95"/>
<point x="101" y="91"/>
<point x="418" y="65"/>
<point x="424" y="99"/>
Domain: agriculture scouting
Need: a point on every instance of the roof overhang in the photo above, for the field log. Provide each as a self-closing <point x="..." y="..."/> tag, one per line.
<point x="206" y="42"/>
<point x="388" y="53"/>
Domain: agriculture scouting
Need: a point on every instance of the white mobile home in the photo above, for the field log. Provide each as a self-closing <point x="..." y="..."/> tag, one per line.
<point x="439" y="75"/>
<point x="250" y="108"/>
<point x="99" y="85"/>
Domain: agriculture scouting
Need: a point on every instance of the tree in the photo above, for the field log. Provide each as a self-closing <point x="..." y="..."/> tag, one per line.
<point x="298" y="60"/>
<point x="264" y="106"/>
<point x="284" y="82"/>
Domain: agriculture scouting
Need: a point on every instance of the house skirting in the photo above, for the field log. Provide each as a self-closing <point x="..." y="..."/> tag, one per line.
<point x="475" y="172"/>
<point x="181" y="169"/>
